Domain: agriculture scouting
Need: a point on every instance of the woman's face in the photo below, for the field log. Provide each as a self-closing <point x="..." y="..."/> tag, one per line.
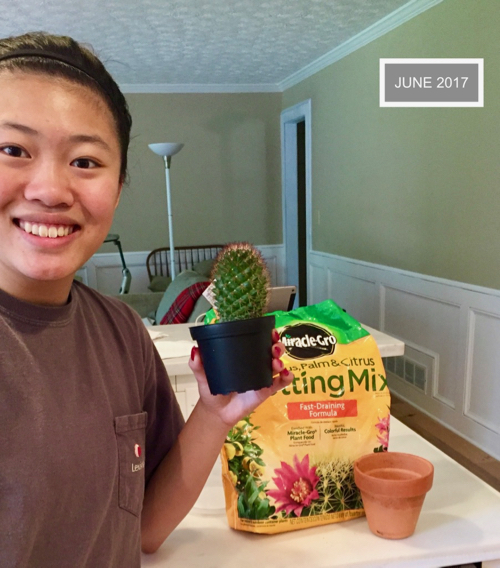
<point x="59" y="182"/>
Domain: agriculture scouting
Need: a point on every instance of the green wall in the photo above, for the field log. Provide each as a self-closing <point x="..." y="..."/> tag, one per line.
<point x="226" y="181"/>
<point x="413" y="188"/>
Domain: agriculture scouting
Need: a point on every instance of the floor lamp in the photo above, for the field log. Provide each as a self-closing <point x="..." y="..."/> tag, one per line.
<point x="167" y="150"/>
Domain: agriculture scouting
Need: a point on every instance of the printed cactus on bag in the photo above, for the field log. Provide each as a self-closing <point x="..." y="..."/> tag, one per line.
<point x="296" y="486"/>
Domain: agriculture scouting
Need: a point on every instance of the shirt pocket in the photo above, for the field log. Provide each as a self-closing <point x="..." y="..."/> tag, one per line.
<point x="130" y="431"/>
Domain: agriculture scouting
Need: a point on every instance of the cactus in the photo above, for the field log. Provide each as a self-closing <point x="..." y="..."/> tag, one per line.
<point x="240" y="283"/>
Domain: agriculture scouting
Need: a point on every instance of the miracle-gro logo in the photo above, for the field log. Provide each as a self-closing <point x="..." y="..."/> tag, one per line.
<point x="307" y="341"/>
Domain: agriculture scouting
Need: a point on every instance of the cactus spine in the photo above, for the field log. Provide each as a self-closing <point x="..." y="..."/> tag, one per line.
<point x="241" y="283"/>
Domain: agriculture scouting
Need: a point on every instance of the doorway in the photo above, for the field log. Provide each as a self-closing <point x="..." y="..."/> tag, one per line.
<point x="296" y="181"/>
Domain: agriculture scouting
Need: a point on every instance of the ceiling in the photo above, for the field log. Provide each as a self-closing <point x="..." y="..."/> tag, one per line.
<point x="160" y="44"/>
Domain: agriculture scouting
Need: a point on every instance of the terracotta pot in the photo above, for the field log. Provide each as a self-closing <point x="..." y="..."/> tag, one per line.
<point x="393" y="486"/>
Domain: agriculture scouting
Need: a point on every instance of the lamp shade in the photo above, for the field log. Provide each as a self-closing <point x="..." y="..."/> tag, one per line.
<point x="166" y="149"/>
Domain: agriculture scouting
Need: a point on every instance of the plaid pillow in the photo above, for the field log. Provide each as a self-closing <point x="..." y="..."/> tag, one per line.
<point x="183" y="305"/>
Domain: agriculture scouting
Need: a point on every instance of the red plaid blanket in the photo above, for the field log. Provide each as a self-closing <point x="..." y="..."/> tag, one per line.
<point x="183" y="305"/>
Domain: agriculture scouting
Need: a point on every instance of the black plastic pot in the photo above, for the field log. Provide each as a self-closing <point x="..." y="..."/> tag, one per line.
<point x="236" y="354"/>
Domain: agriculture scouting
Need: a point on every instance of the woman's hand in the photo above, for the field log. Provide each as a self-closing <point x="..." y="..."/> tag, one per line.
<point x="233" y="407"/>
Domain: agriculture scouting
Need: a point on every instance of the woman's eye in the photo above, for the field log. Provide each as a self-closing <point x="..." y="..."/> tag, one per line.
<point x="14" y="151"/>
<point x="85" y="163"/>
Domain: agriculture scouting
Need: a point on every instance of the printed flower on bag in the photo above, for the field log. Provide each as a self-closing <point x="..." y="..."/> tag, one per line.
<point x="383" y="433"/>
<point x="296" y="486"/>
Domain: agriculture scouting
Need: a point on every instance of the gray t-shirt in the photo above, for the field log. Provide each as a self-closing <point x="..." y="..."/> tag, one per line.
<point x="86" y="415"/>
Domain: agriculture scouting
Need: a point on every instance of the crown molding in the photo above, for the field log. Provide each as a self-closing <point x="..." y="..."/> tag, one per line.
<point x="200" y="88"/>
<point x="380" y="28"/>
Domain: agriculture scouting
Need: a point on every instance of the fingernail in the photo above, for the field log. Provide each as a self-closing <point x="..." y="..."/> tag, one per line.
<point x="193" y="353"/>
<point x="276" y="351"/>
<point x="275" y="335"/>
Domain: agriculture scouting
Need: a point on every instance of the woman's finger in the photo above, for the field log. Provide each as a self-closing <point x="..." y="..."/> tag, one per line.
<point x="282" y="379"/>
<point x="278" y="366"/>
<point x="278" y="350"/>
<point x="196" y="365"/>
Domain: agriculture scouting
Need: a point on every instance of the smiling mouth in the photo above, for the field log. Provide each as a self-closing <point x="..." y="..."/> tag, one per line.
<point x="43" y="230"/>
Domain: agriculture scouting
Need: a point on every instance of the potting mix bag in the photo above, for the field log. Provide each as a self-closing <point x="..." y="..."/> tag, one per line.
<point x="289" y="464"/>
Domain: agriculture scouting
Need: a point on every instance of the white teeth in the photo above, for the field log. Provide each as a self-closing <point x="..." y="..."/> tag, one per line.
<point x="50" y="231"/>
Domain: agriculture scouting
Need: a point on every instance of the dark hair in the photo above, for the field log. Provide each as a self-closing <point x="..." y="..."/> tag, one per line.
<point x="62" y="56"/>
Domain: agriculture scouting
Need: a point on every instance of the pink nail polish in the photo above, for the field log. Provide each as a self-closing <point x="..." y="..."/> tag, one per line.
<point x="193" y="353"/>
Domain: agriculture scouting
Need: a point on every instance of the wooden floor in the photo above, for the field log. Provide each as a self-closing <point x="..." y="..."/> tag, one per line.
<point x="465" y="453"/>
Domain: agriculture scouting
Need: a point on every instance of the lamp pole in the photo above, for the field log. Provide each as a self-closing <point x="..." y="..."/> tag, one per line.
<point x="167" y="150"/>
<point x="167" y="160"/>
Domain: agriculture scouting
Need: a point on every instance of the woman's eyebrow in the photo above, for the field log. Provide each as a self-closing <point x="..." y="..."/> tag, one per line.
<point x="19" y="127"/>
<point x="90" y="138"/>
<point x="75" y="138"/>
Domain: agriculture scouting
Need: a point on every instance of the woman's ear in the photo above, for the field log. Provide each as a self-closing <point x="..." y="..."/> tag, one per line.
<point x="120" y="187"/>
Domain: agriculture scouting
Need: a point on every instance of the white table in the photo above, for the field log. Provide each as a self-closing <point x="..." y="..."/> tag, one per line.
<point x="459" y="523"/>
<point x="388" y="346"/>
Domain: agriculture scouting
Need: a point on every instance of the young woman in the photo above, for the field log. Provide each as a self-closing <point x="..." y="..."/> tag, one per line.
<point x="96" y="461"/>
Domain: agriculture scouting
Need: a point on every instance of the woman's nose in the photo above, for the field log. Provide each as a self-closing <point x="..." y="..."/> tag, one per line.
<point x="50" y="185"/>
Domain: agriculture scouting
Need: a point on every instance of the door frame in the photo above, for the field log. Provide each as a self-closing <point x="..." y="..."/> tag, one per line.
<point x="289" y="119"/>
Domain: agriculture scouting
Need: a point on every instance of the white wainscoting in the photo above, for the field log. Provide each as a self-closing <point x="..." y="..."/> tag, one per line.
<point x="451" y="329"/>
<point x="104" y="271"/>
